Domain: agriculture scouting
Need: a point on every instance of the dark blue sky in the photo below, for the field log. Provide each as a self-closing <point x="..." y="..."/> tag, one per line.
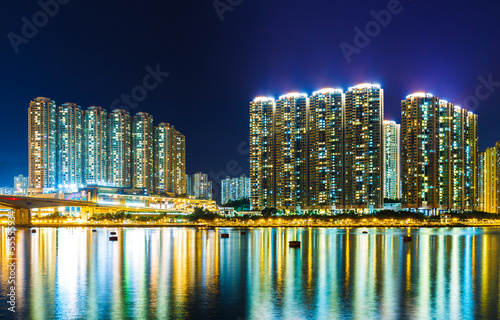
<point x="92" y="52"/>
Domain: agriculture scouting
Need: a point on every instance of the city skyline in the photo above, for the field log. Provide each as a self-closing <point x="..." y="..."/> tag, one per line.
<point x="71" y="148"/>
<point x="334" y="150"/>
<point x="208" y="83"/>
<point x="235" y="159"/>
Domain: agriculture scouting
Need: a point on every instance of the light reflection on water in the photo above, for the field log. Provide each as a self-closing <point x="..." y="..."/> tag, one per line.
<point x="70" y="273"/>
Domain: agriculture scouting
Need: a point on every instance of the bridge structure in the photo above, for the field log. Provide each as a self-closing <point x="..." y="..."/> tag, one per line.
<point x="22" y="206"/>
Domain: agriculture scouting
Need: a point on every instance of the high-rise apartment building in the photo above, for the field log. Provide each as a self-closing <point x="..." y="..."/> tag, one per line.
<point x="438" y="154"/>
<point x="321" y="152"/>
<point x="489" y="180"/>
<point x="69" y="146"/>
<point x="169" y="160"/>
<point x="142" y="151"/>
<point x="119" y="148"/>
<point x="262" y="153"/>
<point x="42" y="143"/>
<point x="200" y="187"/>
<point x="95" y="146"/>
<point x="21" y="185"/>
<point x="235" y="189"/>
<point x="364" y="114"/>
<point x="392" y="163"/>
<point x="291" y="151"/>
<point x="326" y="148"/>
<point x="180" y="164"/>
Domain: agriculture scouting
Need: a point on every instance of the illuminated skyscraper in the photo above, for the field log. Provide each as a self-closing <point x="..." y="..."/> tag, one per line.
<point x="95" y="146"/>
<point x="322" y="152"/>
<point x="326" y="149"/>
<point x="489" y="180"/>
<point x="262" y="153"/>
<point x="42" y="143"/>
<point x="438" y="154"/>
<point x="142" y="151"/>
<point x="69" y="146"/>
<point x="119" y="150"/>
<point x="169" y="160"/>
<point x="21" y="185"/>
<point x="392" y="163"/>
<point x="179" y="156"/>
<point x="235" y="189"/>
<point x="292" y="153"/>
<point x="364" y="113"/>
<point x="200" y="187"/>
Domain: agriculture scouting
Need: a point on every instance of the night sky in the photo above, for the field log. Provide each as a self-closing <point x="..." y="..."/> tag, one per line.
<point x="92" y="52"/>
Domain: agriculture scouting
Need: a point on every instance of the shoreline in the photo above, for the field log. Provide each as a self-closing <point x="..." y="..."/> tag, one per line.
<point x="247" y="226"/>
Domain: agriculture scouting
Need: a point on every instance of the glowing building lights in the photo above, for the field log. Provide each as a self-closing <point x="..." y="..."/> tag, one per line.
<point x="300" y="147"/>
<point x="169" y="160"/>
<point x="69" y="144"/>
<point x="119" y="148"/>
<point x="95" y="146"/>
<point x="142" y="151"/>
<point x="42" y="143"/>
<point x="71" y="148"/>
<point x="364" y="114"/>
<point x="489" y="180"/>
<point x="392" y="179"/>
<point x="438" y="154"/>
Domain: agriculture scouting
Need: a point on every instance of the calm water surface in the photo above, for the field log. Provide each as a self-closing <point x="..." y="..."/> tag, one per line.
<point x="72" y="273"/>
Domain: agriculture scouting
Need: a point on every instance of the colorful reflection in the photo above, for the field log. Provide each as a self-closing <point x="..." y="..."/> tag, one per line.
<point x="71" y="273"/>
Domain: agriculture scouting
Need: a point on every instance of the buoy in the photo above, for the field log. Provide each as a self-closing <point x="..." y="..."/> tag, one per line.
<point x="294" y="244"/>
<point x="406" y="238"/>
<point x="243" y="232"/>
<point x="113" y="238"/>
<point x="33" y="230"/>
<point x="94" y="230"/>
<point x="364" y="231"/>
<point x="224" y="235"/>
<point x="112" y="233"/>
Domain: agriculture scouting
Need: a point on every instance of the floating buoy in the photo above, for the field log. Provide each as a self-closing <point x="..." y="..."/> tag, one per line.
<point x="94" y="230"/>
<point x="113" y="238"/>
<point x="294" y="244"/>
<point x="406" y="238"/>
<point x="112" y="233"/>
<point x="33" y="230"/>
<point x="224" y="235"/>
<point x="364" y="231"/>
<point x="243" y="232"/>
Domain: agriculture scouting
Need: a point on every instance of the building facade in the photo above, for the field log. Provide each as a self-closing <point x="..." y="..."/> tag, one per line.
<point x="199" y="186"/>
<point x="438" y="154"/>
<point x="489" y="180"/>
<point x="262" y="153"/>
<point x="95" y="146"/>
<point x="320" y="152"/>
<point x="292" y="154"/>
<point x="326" y="149"/>
<point x="392" y="160"/>
<point x="69" y="146"/>
<point x="235" y="189"/>
<point x="42" y="143"/>
<point x="142" y="151"/>
<point x="21" y="185"/>
<point x="364" y="114"/>
<point x="169" y="160"/>
<point x="119" y="148"/>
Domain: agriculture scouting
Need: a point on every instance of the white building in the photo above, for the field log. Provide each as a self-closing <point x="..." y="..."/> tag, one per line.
<point x="199" y="186"/>
<point x="235" y="189"/>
